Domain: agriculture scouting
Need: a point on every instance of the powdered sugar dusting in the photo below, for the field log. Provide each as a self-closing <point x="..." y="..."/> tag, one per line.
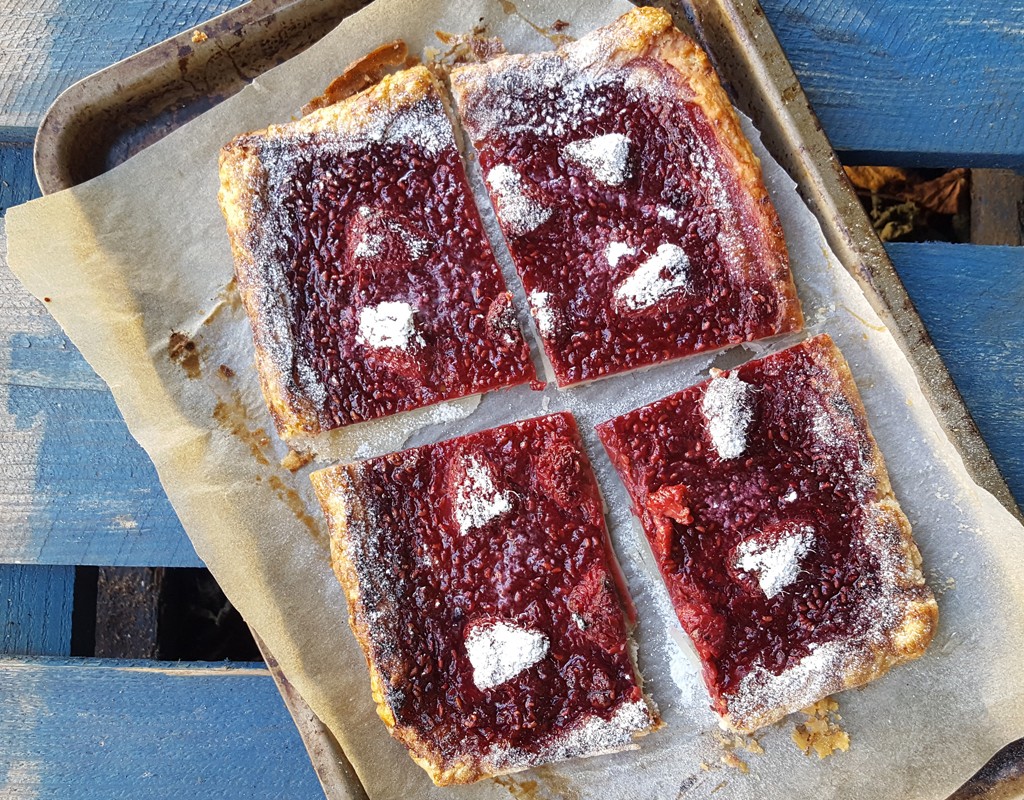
<point x="665" y="212"/>
<point x="499" y="651"/>
<point x="607" y="157"/>
<point x="520" y="212"/>
<point x="728" y="411"/>
<point x="416" y="245"/>
<point x="477" y="499"/>
<point x="423" y="123"/>
<point x="388" y="325"/>
<point x="594" y="735"/>
<point x="615" y="251"/>
<point x="542" y="313"/>
<point x="811" y="677"/>
<point x="664" y="273"/>
<point x="369" y="246"/>
<point x="776" y="564"/>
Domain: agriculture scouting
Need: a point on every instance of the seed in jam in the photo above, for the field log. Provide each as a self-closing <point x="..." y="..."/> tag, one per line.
<point x="372" y="288"/>
<point x="492" y="603"/>
<point x="633" y="208"/>
<point x="786" y="557"/>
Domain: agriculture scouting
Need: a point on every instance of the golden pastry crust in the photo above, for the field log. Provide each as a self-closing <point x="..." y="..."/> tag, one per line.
<point x="361" y="303"/>
<point x="637" y="39"/>
<point x="243" y="181"/>
<point x="908" y="634"/>
<point x="347" y="494"/>
<point x="361" y="74"/>
<point x="339" y="494"/>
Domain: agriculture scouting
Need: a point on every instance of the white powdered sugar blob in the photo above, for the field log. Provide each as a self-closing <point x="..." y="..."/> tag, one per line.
<point x="542" y="312"/>
<point x="665" y="212"/>
<point x="790" y="496"/>
<point x="607" y="157"/>
<point x="388" y="325"/>
<point x="727" y="409"/>
<point x="369" y="246"/>
<point x="516" y="209"/>
<point x="499" y="651"/>
<point x="615" y="251"/>
<point x="777" y="564"/>
<point x="664" y="273"/>
<point x="477" y="500"/>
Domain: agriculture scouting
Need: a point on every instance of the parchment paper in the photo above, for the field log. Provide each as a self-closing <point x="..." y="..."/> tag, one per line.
<point x="141" y="252"/>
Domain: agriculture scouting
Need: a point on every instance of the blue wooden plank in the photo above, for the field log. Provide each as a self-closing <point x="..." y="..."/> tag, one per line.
<point x="109" y="729"/>
<point x="918" y="82"/>
<point x="970" y="298"/>
<point x="75" y="487"/>
<point x="46" y="46"/>
<point x="35" y="611"/>
<point x="17" y="181"/>
<point x="896" y="83"/>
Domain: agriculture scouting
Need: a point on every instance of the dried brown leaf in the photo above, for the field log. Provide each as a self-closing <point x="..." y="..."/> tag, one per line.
<point x="943" y="195"/>
<point x="879" y="180"/>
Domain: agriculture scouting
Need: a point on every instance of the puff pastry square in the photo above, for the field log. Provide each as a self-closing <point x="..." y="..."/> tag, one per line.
<point x="633" y="205"/>
<point x="488" y="602"/>
<point x="769" y="511"/>
<point x="362" y="262"/>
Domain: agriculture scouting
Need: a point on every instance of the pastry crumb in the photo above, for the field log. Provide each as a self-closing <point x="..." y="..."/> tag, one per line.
<point x="821" y="731"/>
<point x="730" y="759"/>
<point x="198" y="37"/>
<point x="225" y="372"/>
<point x="296" y="460"/>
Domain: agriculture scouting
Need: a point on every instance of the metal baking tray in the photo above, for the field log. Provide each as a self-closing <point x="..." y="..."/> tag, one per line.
<point x="109" y="116"/>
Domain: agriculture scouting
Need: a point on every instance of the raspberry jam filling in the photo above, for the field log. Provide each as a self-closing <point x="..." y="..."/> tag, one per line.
<point x="395" y="298"/>
<point x="486" y="571"/>
<point x="634" y="241"/>
<point x="751" y="489"/>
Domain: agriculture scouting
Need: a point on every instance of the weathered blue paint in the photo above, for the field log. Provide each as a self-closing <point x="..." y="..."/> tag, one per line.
<point x="35" y="613"/>
<point x="970" y="298"/>
<point x="113" y="729"/>
<point x="60" y="41"/>
<point x="915" y="82"/>
<point x="911" y="82"/>
<point x="17" y="180"/>
<point x="97" y="498"/>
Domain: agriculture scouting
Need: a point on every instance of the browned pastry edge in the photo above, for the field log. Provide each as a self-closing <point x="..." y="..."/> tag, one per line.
<point x="649" y="33"/>
<point x="361" y="74"/>
<point x="243" y="183"/>
<point x="339" y="491"/>
<point x="910" y="637"/>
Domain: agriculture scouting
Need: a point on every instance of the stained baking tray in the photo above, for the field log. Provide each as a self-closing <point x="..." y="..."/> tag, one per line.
<point x="105" y="118"/>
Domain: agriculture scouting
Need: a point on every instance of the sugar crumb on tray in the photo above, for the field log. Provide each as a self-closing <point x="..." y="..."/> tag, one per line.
<point x="821" y="731"/>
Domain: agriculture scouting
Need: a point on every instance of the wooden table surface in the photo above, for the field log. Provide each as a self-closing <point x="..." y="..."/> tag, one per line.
<point x="913" y="83"/>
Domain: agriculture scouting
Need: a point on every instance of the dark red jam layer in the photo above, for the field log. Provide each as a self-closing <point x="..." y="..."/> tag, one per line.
<point x="413" y="212"/>
<point x="544" y="565"/>
<point x="565" y="255"/>
<point x="794" y="472"/>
